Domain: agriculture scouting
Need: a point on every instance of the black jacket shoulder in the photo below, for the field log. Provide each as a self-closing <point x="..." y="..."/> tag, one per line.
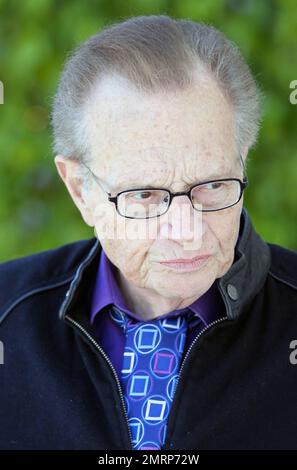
<point x="26" y="275"/>
<point x="283" y="265"/>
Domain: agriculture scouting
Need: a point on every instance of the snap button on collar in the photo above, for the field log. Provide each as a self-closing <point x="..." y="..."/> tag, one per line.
<point x="232" y="292"/>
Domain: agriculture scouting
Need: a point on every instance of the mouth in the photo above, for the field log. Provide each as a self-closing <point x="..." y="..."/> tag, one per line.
<point x="187" y="264"/>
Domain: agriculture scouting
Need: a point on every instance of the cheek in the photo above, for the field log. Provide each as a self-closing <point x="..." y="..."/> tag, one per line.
<point x="225" y="230"/>
<point x="129" y="256"/>
<point x="227" y="244"/>
<point x="104" y="221"/>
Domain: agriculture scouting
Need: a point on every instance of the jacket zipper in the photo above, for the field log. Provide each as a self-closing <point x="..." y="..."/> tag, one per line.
<point x="219" y="320"/>
<point x="77" y="325"/>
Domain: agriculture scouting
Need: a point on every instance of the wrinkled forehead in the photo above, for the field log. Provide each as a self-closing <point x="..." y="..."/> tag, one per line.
<point x="132" y="134"/>
<point x="157" y="168"/>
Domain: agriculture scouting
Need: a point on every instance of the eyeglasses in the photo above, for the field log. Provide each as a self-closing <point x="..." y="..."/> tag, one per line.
<point x="146" y="203"/>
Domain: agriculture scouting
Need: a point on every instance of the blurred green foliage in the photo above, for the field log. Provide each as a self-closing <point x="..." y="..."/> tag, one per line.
<point x="36" y="211"/>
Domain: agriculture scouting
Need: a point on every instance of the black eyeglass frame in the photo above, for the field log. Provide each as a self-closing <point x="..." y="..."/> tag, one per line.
<point x="243" y="184"/>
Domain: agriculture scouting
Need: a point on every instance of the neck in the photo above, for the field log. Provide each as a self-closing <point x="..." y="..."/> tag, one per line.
<point x="146" y="303"/>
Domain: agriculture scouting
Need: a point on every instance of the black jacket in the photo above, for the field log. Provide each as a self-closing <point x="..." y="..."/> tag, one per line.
<point x="238" y="383"/>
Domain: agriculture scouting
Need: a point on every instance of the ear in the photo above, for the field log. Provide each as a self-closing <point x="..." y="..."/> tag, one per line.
<point x="69" y="172"/>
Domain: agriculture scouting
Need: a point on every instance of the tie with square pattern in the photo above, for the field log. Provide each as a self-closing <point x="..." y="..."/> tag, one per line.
<point x="150" y="369"/>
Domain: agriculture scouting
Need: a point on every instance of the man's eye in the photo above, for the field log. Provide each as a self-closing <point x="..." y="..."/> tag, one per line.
<point x="143" y="195"/>
<point x="213" y="186"/>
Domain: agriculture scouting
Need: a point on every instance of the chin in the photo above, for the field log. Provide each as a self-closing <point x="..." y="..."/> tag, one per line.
<point x="192" y="282"/>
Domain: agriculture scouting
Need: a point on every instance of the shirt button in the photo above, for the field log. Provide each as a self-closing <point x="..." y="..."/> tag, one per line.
<point x="232" y="292"/>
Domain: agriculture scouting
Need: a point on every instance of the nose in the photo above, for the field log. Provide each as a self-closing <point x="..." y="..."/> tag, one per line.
<point x="182" y="222"/>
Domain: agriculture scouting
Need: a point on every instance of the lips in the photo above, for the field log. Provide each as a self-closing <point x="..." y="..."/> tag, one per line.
<point x="186" y="261"/>
<point x="188" y="265"/>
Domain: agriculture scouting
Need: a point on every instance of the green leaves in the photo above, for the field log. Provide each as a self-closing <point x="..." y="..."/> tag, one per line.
<point x="36" y="212"/>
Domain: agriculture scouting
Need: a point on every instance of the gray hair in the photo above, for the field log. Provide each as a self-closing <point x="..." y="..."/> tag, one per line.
<point x="154" y="53"/>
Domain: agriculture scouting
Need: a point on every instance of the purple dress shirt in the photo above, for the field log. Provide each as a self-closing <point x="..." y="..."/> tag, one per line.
<point x="110" y="336"/>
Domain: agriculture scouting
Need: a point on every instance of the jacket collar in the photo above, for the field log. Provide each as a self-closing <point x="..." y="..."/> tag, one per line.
<point x="238" y="286"/>
<point x="248" y="273"/>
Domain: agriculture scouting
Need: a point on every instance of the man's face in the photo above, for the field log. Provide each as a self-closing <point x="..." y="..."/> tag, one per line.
<point x="171" y="140"/>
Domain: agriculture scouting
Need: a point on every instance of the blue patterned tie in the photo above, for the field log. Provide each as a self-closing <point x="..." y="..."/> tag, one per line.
<point x="150" y="369"/>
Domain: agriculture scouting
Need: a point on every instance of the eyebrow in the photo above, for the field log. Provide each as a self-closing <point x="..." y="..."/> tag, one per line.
<point x="124" y="186"/>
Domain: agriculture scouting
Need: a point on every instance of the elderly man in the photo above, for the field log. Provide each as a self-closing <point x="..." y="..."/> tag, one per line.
<point x="175" y="326"/>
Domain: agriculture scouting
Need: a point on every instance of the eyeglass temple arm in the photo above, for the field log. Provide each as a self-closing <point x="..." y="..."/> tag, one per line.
<point x="242" y="162"/>
<point x="97" y="179"/>
<point x="245" y="180"/>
